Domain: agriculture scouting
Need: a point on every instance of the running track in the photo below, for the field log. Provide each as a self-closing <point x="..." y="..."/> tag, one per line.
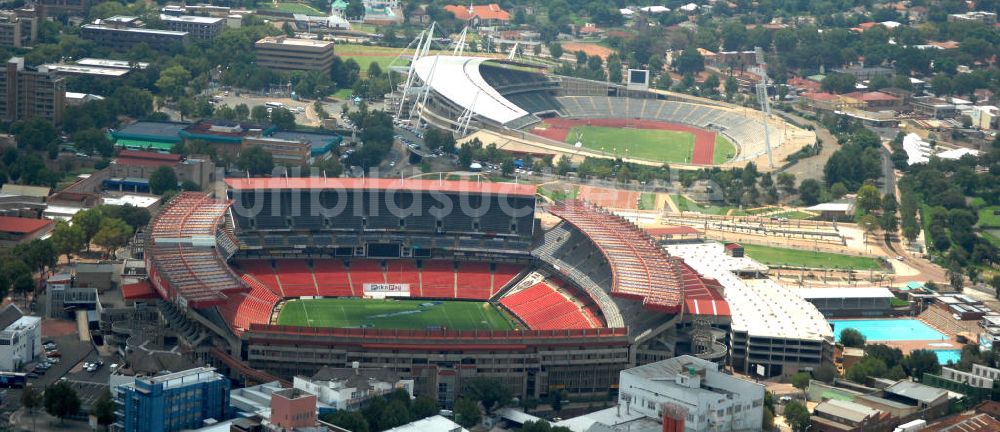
<point x="704" y="141"/>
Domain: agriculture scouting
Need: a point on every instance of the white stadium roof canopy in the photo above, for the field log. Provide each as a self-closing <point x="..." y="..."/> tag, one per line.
<point x="458" y="79"/>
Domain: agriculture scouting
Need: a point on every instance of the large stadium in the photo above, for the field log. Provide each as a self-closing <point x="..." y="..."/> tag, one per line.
<point x="439" y="280"/>
<point x="448" y="280"/>
<point x="526" y="111"/>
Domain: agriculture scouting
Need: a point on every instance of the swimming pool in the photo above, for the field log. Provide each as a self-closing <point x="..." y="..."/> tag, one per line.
<point x="945" y="355"/>
<point x="906" y="329"/>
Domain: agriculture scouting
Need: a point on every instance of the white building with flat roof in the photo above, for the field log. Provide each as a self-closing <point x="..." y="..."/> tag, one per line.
<point x="710" y="399"/>
<point x="20" y="339"/>
<point x="350" y="388"/>
<point x="774" y="331"/>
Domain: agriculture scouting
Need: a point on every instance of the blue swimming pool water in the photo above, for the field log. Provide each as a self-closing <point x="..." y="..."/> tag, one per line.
<point x="889" y="329"/>
<point x="945" y="355"/>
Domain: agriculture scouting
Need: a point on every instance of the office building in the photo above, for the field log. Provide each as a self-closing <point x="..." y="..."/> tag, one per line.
<point x="124" y="38"/>
<point x="30" y="94"/>
<point x="172" y="402"/>
<point x="18" y="28"/>
<point x="293" y="408"/>
<point x="54" y="8"/>
<point x="351" y="388"/>
<point x="291" y="54"/>
<point x="197" y="27"/>
<point x="20" y="339"/>
<point x="691" y="392"/>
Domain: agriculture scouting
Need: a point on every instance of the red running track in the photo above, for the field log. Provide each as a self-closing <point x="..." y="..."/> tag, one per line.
<point x="704" y="141"/>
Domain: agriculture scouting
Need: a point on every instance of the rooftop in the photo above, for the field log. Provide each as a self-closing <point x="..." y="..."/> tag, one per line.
<point x="916" y="391"/>
<point x="836" y="293"/>
<point x="430" y="424"/>
<point x="160" y="131"/>
<point x="458" y="79"/>
<point x="854" y="412"/>
<point x="284" y="40"/>
<point x="19" y="225"/>
<point x="120" y="64"/>
<point x="191" y="19"/>
<point x="84" y="70"/>
<point x="491" y="11"/>
<point x="382" y="183"/>
<point x="761" y="307"/>
<point x="135" y="30"/>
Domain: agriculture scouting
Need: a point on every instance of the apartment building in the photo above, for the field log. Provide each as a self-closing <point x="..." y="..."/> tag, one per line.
<point x="18" y="28"/>
<point x="29" y="93"/>
<point x="122" y="37"/>
<point x="291" y="54"/>
<point x="197" y="27"/>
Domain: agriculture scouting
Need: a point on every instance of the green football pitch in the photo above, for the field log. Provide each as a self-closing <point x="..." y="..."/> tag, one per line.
<point x="649" y="144"/>
<point x="393" y="314"/>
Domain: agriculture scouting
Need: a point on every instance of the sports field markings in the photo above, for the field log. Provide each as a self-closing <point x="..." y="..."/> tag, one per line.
<point x="649" y="144"/>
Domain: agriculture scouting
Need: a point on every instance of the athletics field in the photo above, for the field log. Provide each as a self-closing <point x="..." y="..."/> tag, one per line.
<point x="393" y="314"/>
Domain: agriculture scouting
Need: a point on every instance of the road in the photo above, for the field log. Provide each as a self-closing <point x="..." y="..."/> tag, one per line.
<point x="812" y="167"/>
<point x="888" y="174"/>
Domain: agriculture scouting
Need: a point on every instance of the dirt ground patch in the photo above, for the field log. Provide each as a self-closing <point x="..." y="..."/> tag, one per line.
<point x="589" y="48"/>
<point x="58" y="328"/>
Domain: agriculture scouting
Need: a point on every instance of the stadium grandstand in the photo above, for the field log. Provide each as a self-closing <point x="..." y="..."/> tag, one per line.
<point x="466" y="94"/>
<point x="288" y="275"/>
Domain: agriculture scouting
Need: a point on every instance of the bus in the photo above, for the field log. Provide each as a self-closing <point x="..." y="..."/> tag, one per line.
<point x="13" y="379"/>
<point x="274" y="104"/>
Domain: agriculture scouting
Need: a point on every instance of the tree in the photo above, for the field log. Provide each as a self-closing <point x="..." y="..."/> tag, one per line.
<point x="423" y="407"/>
<point x="888" y="220"/>
<point x="396" y="413"/>
<point x="31" y="400"/>
<point x="173" y="80"/>
<point x="839" y="83"/>
<point x="955" y="276"/>
<point x="35" y="133"/>
<point x="838" y="190"/>
<point x="869" y="199"/>
<point x="543" y="426"/>
<point x="852" y="338"/>
<point x="287" y="28"/>
<point x="374" y="70"/>
<point x="256" y="161"/>
<point x="825" y="373"/>
<point x="922" y="361"/>
<point x="350" y="420"/>
<point x="90" y="221"/>
<point x="162" y="179"/>
<point x="801" y="380"/>
<point x="732" y="86"/>
<point x="438" y="138"/>
<point x="690" y="61"/>
<point x="492" y="393"/>
<point x="92" y="141"/>
<point x="282" y="118"/>
<point x="104" y="410"/>
<point x="114" y="233"/>
<point x="260" y="115"/>
<point x="787" y="181"/>
<point x="810" y="191"/>
<point x="712" y="83"/>
<point x="355" y="10"/>
<point x="556" y="50"/>
<point x="467" y="412"/>
<point x="67" y="238"/>
<point x="797" y="416"/>
<point x="61" y="400"/>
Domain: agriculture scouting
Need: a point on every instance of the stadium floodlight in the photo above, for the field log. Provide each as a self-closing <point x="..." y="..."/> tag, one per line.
<point x="765" y="102"/>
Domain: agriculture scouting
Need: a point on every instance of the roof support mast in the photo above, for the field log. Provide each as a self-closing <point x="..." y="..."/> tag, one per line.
<point x="765" y="102"/>
<point x="460" y="45"/>
<point x="411" y="72"/>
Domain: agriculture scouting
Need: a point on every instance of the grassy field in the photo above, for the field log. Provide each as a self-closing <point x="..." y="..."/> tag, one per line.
<point x="647" y="201"/>
<point x="297" y="8"/>
<point x="802" y="258"/>
<point x="365" y="55"/>
<point x="988" y="217"/>
<point x="559" y="194"/>
<point x="684" y="204"/>
<point x="655" y="145"/>
<point x="795" y="215"/>
<point x="724" y="150"/>
<point x="393" y="314"/>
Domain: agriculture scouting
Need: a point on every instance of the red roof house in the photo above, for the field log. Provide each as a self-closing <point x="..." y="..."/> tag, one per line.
<point x="16" y="230"/>
<point x="486" y="15"/>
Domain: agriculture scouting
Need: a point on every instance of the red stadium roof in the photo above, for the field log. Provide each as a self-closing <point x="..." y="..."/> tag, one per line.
<point x="641" y="270"/>
<point x="382" y="184"/>
<point x="181" y="256"/>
